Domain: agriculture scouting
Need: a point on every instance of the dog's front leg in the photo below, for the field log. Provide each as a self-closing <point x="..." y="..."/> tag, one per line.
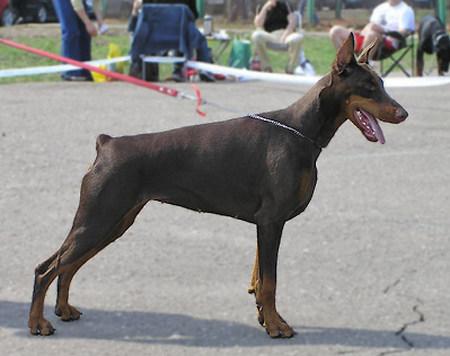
<point x="269" y="237"/>
<point x="254" y="285"/>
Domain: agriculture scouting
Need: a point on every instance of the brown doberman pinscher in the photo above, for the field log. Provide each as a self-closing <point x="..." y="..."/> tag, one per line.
<point x="257" y="168"/>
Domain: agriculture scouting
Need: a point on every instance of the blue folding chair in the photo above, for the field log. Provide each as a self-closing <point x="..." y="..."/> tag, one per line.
<point x="161" y="28"/>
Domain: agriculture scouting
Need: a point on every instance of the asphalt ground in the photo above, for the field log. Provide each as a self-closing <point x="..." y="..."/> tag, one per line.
<point x="363" y="271"/>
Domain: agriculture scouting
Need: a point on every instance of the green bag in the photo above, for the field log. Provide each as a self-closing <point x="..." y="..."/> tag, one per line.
<point x="240" y="54"/>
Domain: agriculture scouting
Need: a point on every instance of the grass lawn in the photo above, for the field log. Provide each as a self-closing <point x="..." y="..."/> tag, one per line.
<point x="318" y="50"/>
<point x="13" y="58"/>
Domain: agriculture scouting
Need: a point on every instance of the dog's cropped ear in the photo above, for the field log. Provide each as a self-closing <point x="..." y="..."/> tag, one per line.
<point x="365" y="54"/>
<point x="345" y="55"/>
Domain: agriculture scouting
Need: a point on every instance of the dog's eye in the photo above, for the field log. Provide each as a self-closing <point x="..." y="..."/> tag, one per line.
<point x="369" y="87"/>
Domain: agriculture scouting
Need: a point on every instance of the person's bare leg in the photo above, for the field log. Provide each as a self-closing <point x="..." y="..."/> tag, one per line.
<point x="372" y="33"/>
<point x="338" y="35"/>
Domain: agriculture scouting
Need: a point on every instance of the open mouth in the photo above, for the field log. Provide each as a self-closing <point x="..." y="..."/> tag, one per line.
<point x="368" y="125"/>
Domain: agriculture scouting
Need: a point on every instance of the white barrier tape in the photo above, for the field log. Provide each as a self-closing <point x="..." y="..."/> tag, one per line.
<point x="163" y="60"/>
<point x="19" y="72"/>
<point x="243" y="75"/>
<point x="238" y="74"/>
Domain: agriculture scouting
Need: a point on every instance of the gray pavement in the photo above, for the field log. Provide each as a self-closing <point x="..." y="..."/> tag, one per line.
<point x="364" y="271"/>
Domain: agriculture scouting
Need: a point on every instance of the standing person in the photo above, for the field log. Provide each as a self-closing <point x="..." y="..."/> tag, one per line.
<point x="392" y="15"/>
<point x="76" y="32"/>
<point x="276" y="23"/>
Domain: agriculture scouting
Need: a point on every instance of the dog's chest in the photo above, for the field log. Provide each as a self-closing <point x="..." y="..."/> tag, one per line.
<point x="302" y="192"/>
<point x="306" y="185"/>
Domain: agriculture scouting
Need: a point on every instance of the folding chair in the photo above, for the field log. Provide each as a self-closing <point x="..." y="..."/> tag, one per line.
<point x="406" y="46"/>
<point x="159" y="29"/>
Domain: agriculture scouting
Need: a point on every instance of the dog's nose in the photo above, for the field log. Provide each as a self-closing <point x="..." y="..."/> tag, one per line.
<point x="400" y="114"/>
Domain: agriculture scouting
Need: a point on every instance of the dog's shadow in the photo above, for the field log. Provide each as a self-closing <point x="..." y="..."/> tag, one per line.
<point x="185" y="330"/>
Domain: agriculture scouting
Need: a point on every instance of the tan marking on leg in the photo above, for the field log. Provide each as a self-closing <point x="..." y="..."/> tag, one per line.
<point x="255" y="275"/>
<point x="273" y="322"/>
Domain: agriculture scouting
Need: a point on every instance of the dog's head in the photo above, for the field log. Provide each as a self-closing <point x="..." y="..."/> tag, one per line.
<point x="361" y="94"/>
<point x="443" y="53"/>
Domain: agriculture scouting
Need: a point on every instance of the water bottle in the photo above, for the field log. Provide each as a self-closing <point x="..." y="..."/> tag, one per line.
<point x="207" y="25"/>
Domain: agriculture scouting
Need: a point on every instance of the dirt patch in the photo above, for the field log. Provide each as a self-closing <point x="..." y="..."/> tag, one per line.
<point x="33" y="30"/>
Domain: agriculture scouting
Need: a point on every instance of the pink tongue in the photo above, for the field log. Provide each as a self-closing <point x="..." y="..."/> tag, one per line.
<point x="375" y="127"/>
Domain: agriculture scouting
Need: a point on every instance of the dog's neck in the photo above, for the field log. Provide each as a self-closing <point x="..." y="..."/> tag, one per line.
<point x="318" y="113"/>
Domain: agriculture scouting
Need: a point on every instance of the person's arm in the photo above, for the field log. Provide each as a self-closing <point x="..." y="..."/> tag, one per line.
<point x="96" y="7"/>
<point x="81" y="12"/>
<point x="407" y="22"/>
<point x="292" y="24"/>
<point x="260" y="17"/>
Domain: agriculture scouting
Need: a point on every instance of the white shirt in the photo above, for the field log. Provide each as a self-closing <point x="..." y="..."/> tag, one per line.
<point x="394" y="18"/>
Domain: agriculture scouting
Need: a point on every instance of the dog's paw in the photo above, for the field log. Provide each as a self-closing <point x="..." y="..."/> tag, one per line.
<point x="40" y="326"/>
<point x="276" y="326"/>
<point x="67" y="312"/>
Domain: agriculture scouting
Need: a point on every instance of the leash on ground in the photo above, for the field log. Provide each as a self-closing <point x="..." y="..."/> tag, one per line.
<point x="119" y="76"/>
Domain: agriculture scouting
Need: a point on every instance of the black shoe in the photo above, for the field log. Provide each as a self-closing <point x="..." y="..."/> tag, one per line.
<point x="178" y="78"/>
<point x="206" y="77"/>
<point x="76" y="78"/>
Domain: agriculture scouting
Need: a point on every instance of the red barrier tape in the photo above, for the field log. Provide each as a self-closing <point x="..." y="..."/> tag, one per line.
<point x="119" y="76"/>
<point x="198" y="95"/>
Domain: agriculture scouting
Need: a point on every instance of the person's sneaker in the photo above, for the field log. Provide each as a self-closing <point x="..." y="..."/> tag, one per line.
<point x="299" y="71"/>
<point x="177" y="77"/>
<point x="76" y="78"/>
<point x="308" y="68"/>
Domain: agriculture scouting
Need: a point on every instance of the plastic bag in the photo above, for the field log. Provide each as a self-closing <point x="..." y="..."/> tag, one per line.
<point x="113" y="52"/>
<point x="240" y="54"/>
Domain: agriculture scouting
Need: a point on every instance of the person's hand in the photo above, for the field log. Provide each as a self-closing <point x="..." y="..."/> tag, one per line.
<point x="91" y="29"/>
<point x="137" y="4"/>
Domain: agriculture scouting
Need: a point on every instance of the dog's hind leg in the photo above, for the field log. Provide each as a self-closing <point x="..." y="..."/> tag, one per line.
<point x="269" y="236"/>
<point x="63" y="309"/>
<point x="83" y="242"/>
<point x="45" y="273"/>
<point x="65" y="260"/>
<point x="107" y="208"/>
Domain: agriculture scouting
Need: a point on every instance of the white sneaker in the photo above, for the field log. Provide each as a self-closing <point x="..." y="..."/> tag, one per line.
<point x="103" y="29"/>
<point x="308" y="68"/>
<point x="299" y="71"/>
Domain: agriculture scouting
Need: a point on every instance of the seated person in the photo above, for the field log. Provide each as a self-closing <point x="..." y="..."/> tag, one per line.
<point x="276" y="23"/>
<point x="390" y="16"/>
